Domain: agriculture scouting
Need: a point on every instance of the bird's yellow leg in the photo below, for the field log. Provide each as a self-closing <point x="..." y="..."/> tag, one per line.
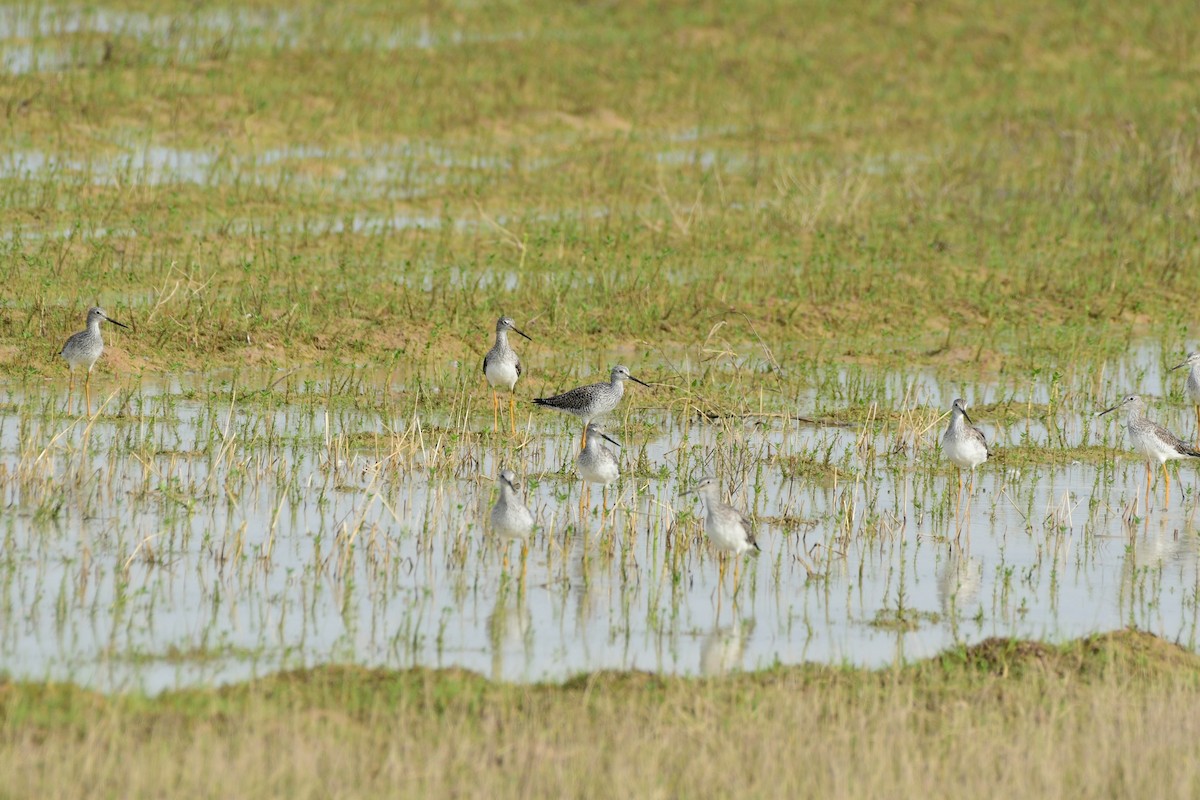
<point x="512" y="412"/>
<point x="87" y="390"/>
<point x="524" y="560"/>
<point x="1147" y="487"/>
<point x="1198" y="421"/>
<point x="71" y="391"/>
<point x="495" y="412"/>
<point x="583" y="442"/>
<point x="958" y="499"/>
<point x="1167" y="475"/>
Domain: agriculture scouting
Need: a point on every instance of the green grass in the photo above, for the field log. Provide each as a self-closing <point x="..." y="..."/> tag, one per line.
<point x="875" y="185"/>
<point x="1025" y="455"/>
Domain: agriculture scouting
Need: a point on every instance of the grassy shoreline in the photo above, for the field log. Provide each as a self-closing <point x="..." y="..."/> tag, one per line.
<point x="1108" y="715"/>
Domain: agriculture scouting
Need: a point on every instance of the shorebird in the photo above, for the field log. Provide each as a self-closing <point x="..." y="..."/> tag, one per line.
<point x="502" y="368"/>
<point x="511" y="518"/>
<point x="965" y="446"/>
<point x="593" y="400"/>
<point x="1192" y="389"/>
<point x="596" y="464"/>
<point x="84" y="349"/>
<point x="728" y="529"/>
<point x="1152" y="440"/>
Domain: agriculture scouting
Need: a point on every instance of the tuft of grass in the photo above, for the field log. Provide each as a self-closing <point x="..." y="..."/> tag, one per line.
<point x="1021" y="455"/>
<point x="903" y="619"/>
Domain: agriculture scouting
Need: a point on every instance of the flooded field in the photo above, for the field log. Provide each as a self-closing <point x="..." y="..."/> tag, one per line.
<point x="211" y="529"/>
<point x="294" y="465"/>
<point x="263" y="564"/>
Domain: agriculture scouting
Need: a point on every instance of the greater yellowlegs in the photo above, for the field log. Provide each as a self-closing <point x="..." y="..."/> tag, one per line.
<point x="501" y="367"/>
<point x="728" y="529"/>
<point x="511" y="518"/>
<point x="1193" y="383"/>
<point x="965" y="446"/>
<point x="83" y="349"/>
<point x="589" y="402"/>
<point x="1152" y="440"/>
<point x="596" y="464"/>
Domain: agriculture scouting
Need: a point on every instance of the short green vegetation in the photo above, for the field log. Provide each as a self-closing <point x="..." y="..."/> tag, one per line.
<point x="766" y="187"/>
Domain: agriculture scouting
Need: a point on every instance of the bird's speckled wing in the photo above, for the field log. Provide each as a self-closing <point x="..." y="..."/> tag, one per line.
<point x="1173" y="441"/>
<point x="978" y="434"/>
<point x="74" y="340"/>
<point x="573" y="398"/>
<point x="748" y="524"/>
<point x="489" y="357"/>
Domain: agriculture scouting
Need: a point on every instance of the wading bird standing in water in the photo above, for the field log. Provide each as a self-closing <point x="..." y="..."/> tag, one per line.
<point x="965" y="446"/>
<point x="727" y="528"/>
<point x="1152" y="440"/>
<point x="502" y="368"/>
<point x="83" y="349"/>
<point x="591" y="401"/>
<point x="596" y="464"/>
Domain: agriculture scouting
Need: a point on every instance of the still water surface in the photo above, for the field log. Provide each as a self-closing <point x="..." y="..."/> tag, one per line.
<point x="209" y="530"/>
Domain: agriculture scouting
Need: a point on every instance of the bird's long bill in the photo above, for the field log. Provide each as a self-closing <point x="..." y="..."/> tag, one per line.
<point x="522" y="333"/>
<point x="967" y="417"/>
<point x="1180" y="366"/>
<point x="607" y="438"/>
<point x="1107" y="410"/>
<point x="643" y="383"/>
<point x="114" y="322"/>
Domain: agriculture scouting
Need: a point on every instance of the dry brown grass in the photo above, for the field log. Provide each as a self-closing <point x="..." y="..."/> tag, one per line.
<point x="1109" y="716"/>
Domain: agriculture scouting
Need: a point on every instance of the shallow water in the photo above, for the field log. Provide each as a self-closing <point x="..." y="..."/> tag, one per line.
<point x="210" y="529"/>
<point x="185" y="31"/>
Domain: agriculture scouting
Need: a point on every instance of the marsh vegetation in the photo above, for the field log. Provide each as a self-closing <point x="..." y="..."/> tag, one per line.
<point x="807" y="231"/>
